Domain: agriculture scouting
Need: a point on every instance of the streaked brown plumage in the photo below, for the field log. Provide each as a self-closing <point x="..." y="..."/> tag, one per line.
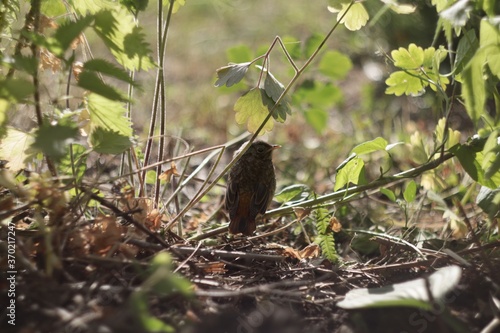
<point x="250" y="187"/>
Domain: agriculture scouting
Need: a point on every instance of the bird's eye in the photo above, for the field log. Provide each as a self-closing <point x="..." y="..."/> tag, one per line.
<point x="261" y="149"/>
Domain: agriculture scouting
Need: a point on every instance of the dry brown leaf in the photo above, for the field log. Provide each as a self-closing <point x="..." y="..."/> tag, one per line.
<point x="49" y="61"/>
<point x="77" y="69"/>
<point x="213" y="267"/>
<point x="167" y="174"/>
<point x="301" y="212"/>
<point x="310" y="251"/>
<point x="335" y="224"/>
<point x="105" y="233"/>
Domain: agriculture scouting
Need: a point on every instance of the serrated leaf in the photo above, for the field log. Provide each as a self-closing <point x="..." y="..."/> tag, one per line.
<point x="467" y="47"/>
<point x="124" y="38"/>
<point x="367" y="147"/>
<point x="231" y="74"/>
<point x="410" y="191"/>
<point x="91" y="82"/>
<point x="355" y="18"/>
<point x="400" y="83"/>
<point x="473" y="88"/>
<point x="335" y="65"/>
<point x="107" y="68"/>
<point x="53" y="140"/>
<point x="353" y="172"/>
<point x="250" y="109"/>
<point x="273" y="87"/>
<point x="280" y="111"/>
<point x="107" y="114"/>
<point x="13" y="148"/>
<point x="411" y="58"/>
<point x="107" y="141"/>
<point x="291" y="192"/>
<point x="388" y="193"/>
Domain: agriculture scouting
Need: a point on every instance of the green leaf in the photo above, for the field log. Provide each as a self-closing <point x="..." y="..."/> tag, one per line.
<point x="15" y="90"/>
<point x="356" y="17"/>
<point x="327" y="244"/>
<point x="370" y="146"/>
<point x="411" y="58"/>
<point x="414" y="293"/>
<point x="280" y="112"/>
<point x="53" y="140"/>
<point x="107" y="141"/>
<point x="311" y="44"/>
<point x="107" y="68"/>
<point x="14" y="148"/>
<point x="231" y="74"/>
<point x="388" y="193"/>
<point x="66" y="165"/>
<point x="410" y="191"/>
<point x="239" y="54"/>
<point x="293" y="46"/>
<point x="467" y="47"/>
<point x="473" y="88"/>
<point x="291" y="192"/>
<point x="90" y="6"/>
<point x="109" y="116"/>
<point x="489" y="201"/>
<point x="250" y="109"/>
<point x="317" y="118"/>
<point x="91" y="82"/>
<point x="314" y="94"/>
<point x="177" y="4"/>
<point x="472" y="162"/>
<point x="353" y="172"/>
<point x="335" y="65"/>
<point x="400" y="83"/>
<point x="490" y="43"/>
<point x="124" y="38"/>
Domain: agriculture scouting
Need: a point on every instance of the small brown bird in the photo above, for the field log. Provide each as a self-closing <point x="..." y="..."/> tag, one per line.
<point x="250" y="187"/>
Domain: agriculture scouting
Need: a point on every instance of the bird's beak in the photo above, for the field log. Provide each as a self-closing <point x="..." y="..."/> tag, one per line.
<point x="274" y="147"/>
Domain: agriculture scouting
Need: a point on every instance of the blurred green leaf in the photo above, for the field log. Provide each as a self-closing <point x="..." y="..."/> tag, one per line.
<point x="312" y="44"/>
<point x="15" y="90"/>
<point x="250" y="109"/>
<point x="370" y="146"/>
<point x="410" y="191"/>
<point x="231" y="74"/>
<point x="457" y="13"/>
<point x="335" y="65"/>
<point x="317" y="118"/>
<point x="14" y="148"/>
<point x="317" y="94"/>
<point x="490" y="44"/>
<point x="388" y="193"/>
<point x="53" y="140"/>
<point x="489" y="201"/>
<point x="239" y="54"/>
<point x="66" y="165"/>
